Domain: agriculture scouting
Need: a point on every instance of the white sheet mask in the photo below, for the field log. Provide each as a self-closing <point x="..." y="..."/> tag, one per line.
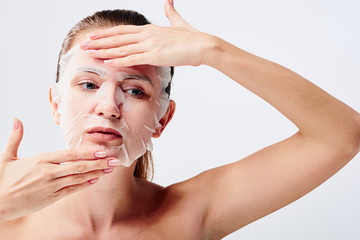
<point x="95" y="99"/>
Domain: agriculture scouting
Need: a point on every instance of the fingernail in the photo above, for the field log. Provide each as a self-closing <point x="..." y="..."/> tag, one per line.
<point x="114" y="163"/>
<point x="16" y="125"/>
<point x="95" y="180"/>
<point x="85" y="44"/>
<point x="171" y="2"/>
<point x="100" y="154"/>
<point x="109" y="170"/>
<point x="91" y="51"/>
<point x="93" y="35"/>
<point x="109" y="62"/>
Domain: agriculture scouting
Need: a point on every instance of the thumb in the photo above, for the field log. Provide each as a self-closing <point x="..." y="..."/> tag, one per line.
<point x="11" y="148"/>
<point x="174" y="17"/>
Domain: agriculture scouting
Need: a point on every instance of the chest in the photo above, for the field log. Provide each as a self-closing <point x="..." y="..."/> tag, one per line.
<point x="175" y="226"/>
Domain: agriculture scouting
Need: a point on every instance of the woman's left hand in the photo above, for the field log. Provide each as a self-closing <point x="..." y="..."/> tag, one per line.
<point x="129" y="45"/>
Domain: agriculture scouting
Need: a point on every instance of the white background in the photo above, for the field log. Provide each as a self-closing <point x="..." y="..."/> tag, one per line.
<point x="216" y="121"/>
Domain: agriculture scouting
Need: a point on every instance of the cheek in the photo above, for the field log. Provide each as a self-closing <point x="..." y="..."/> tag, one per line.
<point x="73" y="109"/>
<point x="142" y="118"/>
<point x="72" y="104"/>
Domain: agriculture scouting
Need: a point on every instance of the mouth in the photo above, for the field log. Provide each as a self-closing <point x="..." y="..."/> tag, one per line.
<point x="104" y="134"/>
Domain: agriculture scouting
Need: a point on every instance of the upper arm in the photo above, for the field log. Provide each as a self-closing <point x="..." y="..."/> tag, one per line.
<point x="265" y="181"/>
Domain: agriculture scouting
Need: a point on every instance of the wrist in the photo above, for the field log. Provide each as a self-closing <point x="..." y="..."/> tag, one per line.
<point x="211" y="50"/>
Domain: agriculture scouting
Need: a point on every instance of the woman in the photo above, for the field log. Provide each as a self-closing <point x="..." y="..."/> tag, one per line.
<point x="121" y="206"/>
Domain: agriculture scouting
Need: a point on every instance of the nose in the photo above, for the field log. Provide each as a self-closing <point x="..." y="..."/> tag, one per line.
<point x="108" y="111"/>
<point x="108" y="102"/>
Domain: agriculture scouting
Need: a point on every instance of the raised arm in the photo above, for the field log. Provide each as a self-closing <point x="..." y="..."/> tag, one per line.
<point x="328" y="138"/>
<point x="241" y="192"/>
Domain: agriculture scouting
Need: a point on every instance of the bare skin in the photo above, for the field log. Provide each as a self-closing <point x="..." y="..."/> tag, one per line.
<point x="122" y="207"/>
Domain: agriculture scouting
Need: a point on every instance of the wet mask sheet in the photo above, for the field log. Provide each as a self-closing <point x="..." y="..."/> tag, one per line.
<point x="116" y="108"/>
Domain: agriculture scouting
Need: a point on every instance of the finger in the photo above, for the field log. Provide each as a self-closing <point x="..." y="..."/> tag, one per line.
<point x="131" y="60"/>
<point x="77" y="179"/>
<point x="174" y="17"/>
<point x="84" y="167"/>
<point x="73" y="154"/>
<point x="117" y="52"/>
<point x="113" y="31"/>
<point x="111" y="42"/>
<point x="11" y="148"/>
<point x="65" y="191"/>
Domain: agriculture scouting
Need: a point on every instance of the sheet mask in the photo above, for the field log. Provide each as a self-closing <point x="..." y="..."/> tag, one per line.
<point x="85" y="114"/>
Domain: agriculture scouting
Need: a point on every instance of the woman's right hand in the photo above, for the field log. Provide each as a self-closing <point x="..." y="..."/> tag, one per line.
<point x="30" y="184"/>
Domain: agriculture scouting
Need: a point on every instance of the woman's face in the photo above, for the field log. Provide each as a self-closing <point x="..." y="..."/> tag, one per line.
<point x="117" y="108"/>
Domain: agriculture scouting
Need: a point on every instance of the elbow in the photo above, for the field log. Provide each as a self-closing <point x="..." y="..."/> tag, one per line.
<point x="352" y="142"/>
<point x="345" y="143"/>
<point x="357" y="141"/>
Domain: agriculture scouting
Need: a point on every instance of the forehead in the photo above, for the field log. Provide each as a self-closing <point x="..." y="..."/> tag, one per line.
<point x="77" y="60"/>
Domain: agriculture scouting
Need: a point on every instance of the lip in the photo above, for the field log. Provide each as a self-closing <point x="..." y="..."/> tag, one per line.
<point x="104" y="134"/>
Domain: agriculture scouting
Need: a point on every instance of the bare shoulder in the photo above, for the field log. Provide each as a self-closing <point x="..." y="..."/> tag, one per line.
<point x="151" y="186"/>
<point x="13" y="229"/>
<point x="178" y="193"/>
<point x="176" y="205"/>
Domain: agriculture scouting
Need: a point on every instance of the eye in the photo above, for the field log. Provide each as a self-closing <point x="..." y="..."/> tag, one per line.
<point x="88" y="85"/>
<point x="135" y="92"/>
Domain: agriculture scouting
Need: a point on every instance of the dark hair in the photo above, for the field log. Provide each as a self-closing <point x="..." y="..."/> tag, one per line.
<point x="110" y="18"/>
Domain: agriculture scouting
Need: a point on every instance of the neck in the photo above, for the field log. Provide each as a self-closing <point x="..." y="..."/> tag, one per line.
<point x="114" y="198"/>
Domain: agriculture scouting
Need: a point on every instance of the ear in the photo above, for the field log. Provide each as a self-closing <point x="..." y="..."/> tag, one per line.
<point x="165" y="119"/>
<point x="54" y="108"/>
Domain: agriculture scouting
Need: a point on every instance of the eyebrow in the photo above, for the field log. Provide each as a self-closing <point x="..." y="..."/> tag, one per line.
<point x="97" y="71"/>
<point x="102" y="73"/>
<point x="137" y="76"/>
